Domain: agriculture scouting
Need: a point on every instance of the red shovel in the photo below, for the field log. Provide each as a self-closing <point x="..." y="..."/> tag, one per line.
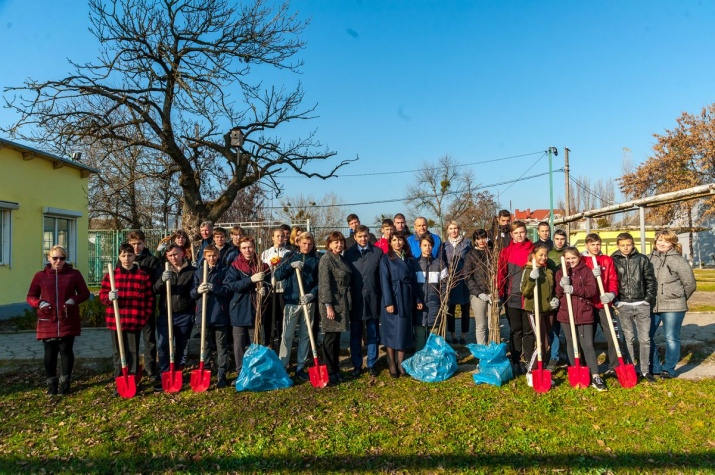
<point x="540" y="378"/>
<point x="579" y="376"/>
<point x="201" y="378"/>
<point x="626" y="372"/>
<point x="318" y="374"/>
<point x="170" y="380"/>
<point x="126" y="384"/>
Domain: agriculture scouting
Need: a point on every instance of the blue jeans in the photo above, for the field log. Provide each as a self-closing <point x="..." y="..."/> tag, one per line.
<point x="182" y="333"/>
<point x="372" y="327"/>
<point x="554" y="340"/>
<point x="672" y="321"/>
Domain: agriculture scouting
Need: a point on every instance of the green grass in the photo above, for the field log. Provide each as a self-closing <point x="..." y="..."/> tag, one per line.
<point x="701" y="308"/>
<point x="705" y="286"/>
<point x="383" y="425"/>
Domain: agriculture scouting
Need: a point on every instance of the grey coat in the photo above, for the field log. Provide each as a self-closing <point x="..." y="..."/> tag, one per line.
<point x="676" y="281"/>
<point x="334" y="275"/>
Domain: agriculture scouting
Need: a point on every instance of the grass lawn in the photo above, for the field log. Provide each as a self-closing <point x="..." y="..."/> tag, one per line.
<point x="367" y="425"/>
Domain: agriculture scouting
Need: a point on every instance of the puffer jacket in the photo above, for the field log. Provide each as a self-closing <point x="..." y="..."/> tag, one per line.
<point x="546" y="289"/>
<point x="56" y="287"/>
<point x="284" y="272"/>
<point x="477" y="267"/>
<point x="636" y="279"/>
<point x="512" y="260"/>
<point x="334" y="276"/>
<point x="608" y="276"/>
<point x="676" y="281"/>
<point x="217" y="300"/>
<point x="242" y="309"/>
<point x="181" y="284"/>
<point x="431" y="276"/>
<point x="585" y="288"/>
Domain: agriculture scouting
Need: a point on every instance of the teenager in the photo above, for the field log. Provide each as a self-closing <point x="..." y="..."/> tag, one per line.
<point x="247" y="278"/>
<point x="501" y="231"/>
<point x="578" y="281"/>
<point x="353" y="223"/>
<point x="455" y="249"/>
<point x="364" y="259"/>
<point x="607" y="272"/>
<point x="478" y="267"/>
<point x="554" y="335"/>
<point x="334" y="301"/>
<point x="56" y="292"/>
<point x="637" y="289"/>
<point x="512" y="260"/>
<point x="431" y="274"/>
<point x="136" y="305"/>
<point x="306" y="260"/>
<point x="543" y="231"/>
<point x="401" y="225"/>
<point x="218" y="324"/>
<point x="398" y="280"/>
<point x="272" y="257"/>
<point x="224" y="248"/>
<point x="387" y="229"/>
<point x="181" y="279"/>
<point x="676" y="284"/>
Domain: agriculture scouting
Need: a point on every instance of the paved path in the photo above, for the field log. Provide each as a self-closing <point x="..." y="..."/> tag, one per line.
<point x="697" y="333"/>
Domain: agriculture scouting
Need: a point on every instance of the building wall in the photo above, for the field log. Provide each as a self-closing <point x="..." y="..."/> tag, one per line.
<point x="34" y="184"/>
<point x="608" y="240"/>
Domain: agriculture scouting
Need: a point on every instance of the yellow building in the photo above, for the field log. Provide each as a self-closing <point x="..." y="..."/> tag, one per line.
<point x="608" y="240"/>
<point x="43" y="202"/>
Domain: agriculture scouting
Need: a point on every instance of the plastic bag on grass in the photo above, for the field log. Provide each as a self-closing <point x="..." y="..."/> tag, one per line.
<point x="262" y="371"/>
<point x="494" y="366"/>
<point x="437" y="361"/>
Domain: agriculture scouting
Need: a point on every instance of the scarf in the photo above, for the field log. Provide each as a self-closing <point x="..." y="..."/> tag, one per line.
<point x="455" y="242"/>
<point x="249" y="268"/>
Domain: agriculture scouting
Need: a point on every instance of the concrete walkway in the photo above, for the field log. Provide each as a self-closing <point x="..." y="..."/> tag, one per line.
<point x="697" y="334"/>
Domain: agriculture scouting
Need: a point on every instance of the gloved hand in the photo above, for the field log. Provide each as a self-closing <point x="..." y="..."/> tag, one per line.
<point x="161" y="246"/>
<point x="607" y="298"/>
<point x="554" y="303"/>
<point x="262" y="291"/>
<point x="166" y="275"/>
<point x="297" y="265"/>
<point x="596" y="271"/>
<point x="568" y="289"/>
<point x="306" y="299"/>
<point x="205" y="288"/>
<point x="565" y="280"/>
<point x="113" y="295"/>
<point x="483" y="297"/>
<point x="534" y="274"/>
<point x="258" y="276"/>
<point x="44" y="304"/>
<point x="69" y="302"/>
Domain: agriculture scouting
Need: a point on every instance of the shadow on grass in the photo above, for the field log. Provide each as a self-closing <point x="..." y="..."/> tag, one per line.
<point x="640" y="462"/>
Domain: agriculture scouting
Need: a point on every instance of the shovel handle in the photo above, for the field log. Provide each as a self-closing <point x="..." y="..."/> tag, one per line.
<point x="117" y="319"/>
<point x="537" y="318"/>
<point x="570" y="307"/>
<point x="169" y="317"/>
<point x="204" y="298"/>
<point x="607" y="308"/>
<point x="308" y="320"/>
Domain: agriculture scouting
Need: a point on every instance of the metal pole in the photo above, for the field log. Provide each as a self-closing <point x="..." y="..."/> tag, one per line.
<point x="551" y="189"/>
<point x="642" y="215"/>
<point x="567" y="211"/>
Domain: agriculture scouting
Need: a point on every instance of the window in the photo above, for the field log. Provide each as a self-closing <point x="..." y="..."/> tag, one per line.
<point x="60" y="229"/>
<point x="6" y="209"/>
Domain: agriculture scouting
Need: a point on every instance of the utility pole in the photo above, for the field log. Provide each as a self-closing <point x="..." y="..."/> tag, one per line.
<point x="567" y="211"/>
<point x="553" y="151"/>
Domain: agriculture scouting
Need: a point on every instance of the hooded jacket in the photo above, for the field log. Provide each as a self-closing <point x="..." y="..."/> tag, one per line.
<point x="284" y="272"/>
<point x="584" y="289"/>
<point x="217" y="301"/>
<point x="242" y="309"/>
<point x="477" y="267"/>
<point x="546" y="288"/>
<point x="676" y="281"/>
<point x="608" y="276"/>
<point x="512" y="260"/>
<point x="431" y="277"/>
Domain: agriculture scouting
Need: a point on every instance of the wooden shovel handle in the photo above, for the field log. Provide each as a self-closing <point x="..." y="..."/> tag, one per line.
<point x="117" y="319"/>
<point x="203" y="310"/>
<point x="169" y="317"/>
<point x="608" y="311"/>
<point x="536" y="314"/>
<point x="308" y="321"/>
<point x="570" y="307"/>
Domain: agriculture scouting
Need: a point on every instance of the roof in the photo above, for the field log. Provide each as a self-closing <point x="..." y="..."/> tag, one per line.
<point x="535" y="215"/>
<point x="28" y="153"/>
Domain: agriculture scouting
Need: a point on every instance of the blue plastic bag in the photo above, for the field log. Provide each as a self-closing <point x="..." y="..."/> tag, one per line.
<point x="437" y="361"/>
<point x="262" y="371"/>
<point x="494" y="366"/>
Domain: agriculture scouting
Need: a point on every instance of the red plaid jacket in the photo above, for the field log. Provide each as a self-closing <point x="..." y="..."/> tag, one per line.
<point x="136" y="299"/>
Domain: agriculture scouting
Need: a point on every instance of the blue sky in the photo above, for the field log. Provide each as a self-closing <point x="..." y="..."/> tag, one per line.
<point x="399" y="83"/>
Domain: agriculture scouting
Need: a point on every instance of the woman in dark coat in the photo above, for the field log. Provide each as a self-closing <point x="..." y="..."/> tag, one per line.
<point x="478" y="266"/>
<point x="455" y="250"/>
<point x="399" y="297"/>
<point x="56" y="293"/>
<point x="334" y="300"/>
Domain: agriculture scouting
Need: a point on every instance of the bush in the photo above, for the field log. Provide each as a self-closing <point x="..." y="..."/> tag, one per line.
<point x="91" y="313"/>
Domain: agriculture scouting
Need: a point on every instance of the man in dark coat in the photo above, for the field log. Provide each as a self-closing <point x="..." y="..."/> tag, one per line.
<point x="364" y="260"/>
<point x="544" y="232"/>
<point x="500" y="234"/>
<point x="353" y="224"/>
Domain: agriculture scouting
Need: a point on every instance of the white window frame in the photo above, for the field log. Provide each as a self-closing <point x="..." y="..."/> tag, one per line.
<point x="6" y="209"/>
<point x="69" y="215"/>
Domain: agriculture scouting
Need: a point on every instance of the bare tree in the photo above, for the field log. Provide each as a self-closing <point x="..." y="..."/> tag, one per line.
<point x="176" y="77"/>
<point x="324" y="213"/>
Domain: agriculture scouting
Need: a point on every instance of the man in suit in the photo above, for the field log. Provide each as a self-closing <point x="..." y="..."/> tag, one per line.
<point x="364" y="259"/>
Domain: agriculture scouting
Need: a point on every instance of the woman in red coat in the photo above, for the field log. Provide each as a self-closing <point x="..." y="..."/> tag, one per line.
<point x="56" y="292"/>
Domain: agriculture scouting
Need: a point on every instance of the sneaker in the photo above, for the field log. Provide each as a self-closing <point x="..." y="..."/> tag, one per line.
<point x="302" y="375"/>
<point x="222" y="383"/>
<point x="515" y="369"/>
<point x="462" y="341"/>
<point x="356" y="372"/>
<point x="158" y="388"/>
<point x="529" y="380"/>
<point x="598" y="384"/>
<point x="649" y="377"/>
<point x="666" y="375"/>
<point x="553" y="364"/>
<point x="610" y="373"/>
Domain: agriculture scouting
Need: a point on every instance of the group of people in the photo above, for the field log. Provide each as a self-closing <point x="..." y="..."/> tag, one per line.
<point x="391" y="291"/>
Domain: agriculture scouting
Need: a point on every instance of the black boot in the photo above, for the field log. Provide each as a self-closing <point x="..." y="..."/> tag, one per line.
<point x="222" y="383"/>
<point x="52" y="386"/>
<point x="64" y="385"/>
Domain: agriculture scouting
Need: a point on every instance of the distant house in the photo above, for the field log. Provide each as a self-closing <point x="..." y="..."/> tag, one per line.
<point x="532" y="218"/>
<point x="43" y="202"/>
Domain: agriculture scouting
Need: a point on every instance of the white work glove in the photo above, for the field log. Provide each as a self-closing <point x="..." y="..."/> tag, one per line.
<point x="297" y="265"/>
<point x="534" y="274"/>
<point x="257" y="277"/>
<point x="113" y="295"/>
<point x="306" y="299"/>
<point x="483" y="297"/>
<point x="607" y="298"/>
<point x="44" y="304"/>
<point x="205" y="288"/>
<point x="568" y="289"/>
<point x="262" y="291"/>
<point x="596" y="271"/>
<point x="166" y="275"/>
<point x="565" y="280"/>
<point x="554" y="303"/>
<point x="161" y="246"/>
<point x="69" y="302"/>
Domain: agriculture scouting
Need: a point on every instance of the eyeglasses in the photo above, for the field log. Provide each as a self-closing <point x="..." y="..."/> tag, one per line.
<point x="61" y="258"/>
